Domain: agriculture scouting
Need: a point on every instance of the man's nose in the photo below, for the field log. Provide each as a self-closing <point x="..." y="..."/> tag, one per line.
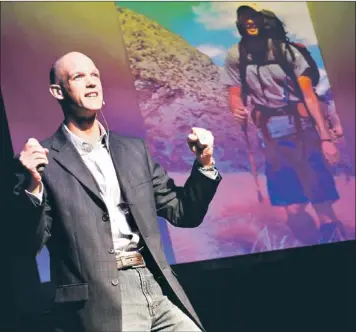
<point x="90" y="81"/>
<point x="249" y="21"/>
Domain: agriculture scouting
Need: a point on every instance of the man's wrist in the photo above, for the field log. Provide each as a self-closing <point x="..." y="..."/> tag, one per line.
<point x="209" y="170"/>
<point x="208" y="165"/>
<point x="36" y="197"/>
<point x="34" y="188"/>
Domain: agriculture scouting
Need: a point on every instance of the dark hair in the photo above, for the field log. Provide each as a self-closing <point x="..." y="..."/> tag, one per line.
<point x="273" y="26"/>
<point x="52" y="75"/>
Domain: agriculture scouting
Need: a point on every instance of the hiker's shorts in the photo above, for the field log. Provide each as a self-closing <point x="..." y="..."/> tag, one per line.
<point x="297" y="171"/>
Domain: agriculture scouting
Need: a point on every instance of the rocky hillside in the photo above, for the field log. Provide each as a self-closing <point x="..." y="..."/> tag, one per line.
<point x="179" y="87"/>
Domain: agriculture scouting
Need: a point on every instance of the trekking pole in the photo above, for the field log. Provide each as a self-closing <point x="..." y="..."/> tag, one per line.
<point x="252" y="161"/>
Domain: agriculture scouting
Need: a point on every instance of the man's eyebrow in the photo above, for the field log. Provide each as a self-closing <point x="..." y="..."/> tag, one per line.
<point x="70" y="75"/>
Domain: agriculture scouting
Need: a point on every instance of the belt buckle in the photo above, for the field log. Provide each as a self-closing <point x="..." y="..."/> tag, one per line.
<point x="124" y="261"/>
<point x="140" y="265"/>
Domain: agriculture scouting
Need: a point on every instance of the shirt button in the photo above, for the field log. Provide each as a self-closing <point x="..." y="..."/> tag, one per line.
<point x="87" y="147"/>
<point x="111" y="251"/>
<point x="115" y="282"/>
<point x="105" y="217"/>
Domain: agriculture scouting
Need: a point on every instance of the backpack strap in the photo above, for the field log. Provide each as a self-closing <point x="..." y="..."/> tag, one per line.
<point x="313" y="69"/>
<point x="243" y="60"/>
<point x="281" y="49"/>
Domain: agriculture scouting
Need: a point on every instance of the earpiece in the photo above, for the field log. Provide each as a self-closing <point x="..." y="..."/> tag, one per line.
<point x="106" y="124"/>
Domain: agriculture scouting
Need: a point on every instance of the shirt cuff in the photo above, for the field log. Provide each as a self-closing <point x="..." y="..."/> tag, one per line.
<point x="210" y="172"/>
<point x="36" y="198"/>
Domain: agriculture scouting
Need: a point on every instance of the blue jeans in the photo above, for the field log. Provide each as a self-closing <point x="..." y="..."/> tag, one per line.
<point x="146" y="308"/>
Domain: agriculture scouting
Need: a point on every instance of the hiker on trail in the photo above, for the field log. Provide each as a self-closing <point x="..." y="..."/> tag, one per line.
<point x="276" y="78"/>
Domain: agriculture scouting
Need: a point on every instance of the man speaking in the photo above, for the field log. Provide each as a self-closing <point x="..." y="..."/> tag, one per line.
<point x="95" y="206"/>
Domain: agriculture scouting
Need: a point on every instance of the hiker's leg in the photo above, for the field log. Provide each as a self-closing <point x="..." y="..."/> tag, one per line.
<point x="321" y="190"/>
<point x="285" y="188"/>
<point x="286" y="178"/>
<point x="325" y="212"/>
<point x="331" y="229"/>
<point x="318" y="182"/>
<point x="302" y="224"/>
<point x="295" y="209"/>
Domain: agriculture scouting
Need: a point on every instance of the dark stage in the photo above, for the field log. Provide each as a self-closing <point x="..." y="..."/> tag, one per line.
<point x="300" y="289"/>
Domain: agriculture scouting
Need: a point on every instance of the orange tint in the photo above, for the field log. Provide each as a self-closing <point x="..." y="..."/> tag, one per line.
<point x="235" y="97"/>
<point x="253" y="30"/>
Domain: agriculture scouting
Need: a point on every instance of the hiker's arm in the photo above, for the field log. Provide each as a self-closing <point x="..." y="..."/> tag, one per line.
<point x="312" y="103"/>
<point x="301" y="69"/>
<point x="235" y="98"/>
<point x="232" y="80"/>
<point x="237" y="107"/>
<point x="230" y="77"/>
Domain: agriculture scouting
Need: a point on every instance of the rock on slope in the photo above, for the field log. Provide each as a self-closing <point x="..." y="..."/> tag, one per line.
<point x="179" y="87"/>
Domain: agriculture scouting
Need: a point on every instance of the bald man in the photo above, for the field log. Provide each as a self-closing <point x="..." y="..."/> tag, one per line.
<point x="95" y="206"/>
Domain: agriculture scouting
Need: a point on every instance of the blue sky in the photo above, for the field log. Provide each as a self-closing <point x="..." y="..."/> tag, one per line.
<point x="210" y="26"/>
<point x="220" y="17"/>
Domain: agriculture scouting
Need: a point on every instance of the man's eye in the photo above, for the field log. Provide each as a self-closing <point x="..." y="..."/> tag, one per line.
<point x="77" y="77"/>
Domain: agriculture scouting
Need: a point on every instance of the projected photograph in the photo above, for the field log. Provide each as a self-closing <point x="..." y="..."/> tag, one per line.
<point x="183" y="57"/>
<point x="169" y="66"/>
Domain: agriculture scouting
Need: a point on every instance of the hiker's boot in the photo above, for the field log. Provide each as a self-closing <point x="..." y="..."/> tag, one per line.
<point x="332" y="232"/>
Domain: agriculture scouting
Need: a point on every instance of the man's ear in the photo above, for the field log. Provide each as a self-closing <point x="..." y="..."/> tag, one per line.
<point x="56" y="91"/>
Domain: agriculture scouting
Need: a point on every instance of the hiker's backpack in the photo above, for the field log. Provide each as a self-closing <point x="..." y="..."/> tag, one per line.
<point x="313" y="71"/>
<point x="274" y="28"/>
<point x="279" y="50"/>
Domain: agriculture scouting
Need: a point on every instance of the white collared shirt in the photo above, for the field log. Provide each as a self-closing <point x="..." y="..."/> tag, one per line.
<point x="98" y="160"/>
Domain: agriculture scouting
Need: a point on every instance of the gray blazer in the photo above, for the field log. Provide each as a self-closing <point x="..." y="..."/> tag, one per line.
<point x="73" y="222"/>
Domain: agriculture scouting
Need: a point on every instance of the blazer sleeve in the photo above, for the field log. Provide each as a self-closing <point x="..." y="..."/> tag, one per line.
<point x="32" y="221"/>
<point x="182" y="206"/>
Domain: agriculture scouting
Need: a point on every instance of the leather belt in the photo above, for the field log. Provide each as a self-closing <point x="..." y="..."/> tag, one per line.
<point x="131" y="259"/>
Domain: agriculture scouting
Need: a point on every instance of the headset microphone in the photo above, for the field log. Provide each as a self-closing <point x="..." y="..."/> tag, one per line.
<point x="40" y="168"/>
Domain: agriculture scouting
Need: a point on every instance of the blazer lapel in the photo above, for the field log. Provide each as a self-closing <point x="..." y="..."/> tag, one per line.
<point x="119" y="156"/>
<point x="70" y="159"/>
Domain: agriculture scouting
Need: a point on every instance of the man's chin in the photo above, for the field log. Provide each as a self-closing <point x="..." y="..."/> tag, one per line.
<point x="87" y="112"/>
<point x="93" y="107"/>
